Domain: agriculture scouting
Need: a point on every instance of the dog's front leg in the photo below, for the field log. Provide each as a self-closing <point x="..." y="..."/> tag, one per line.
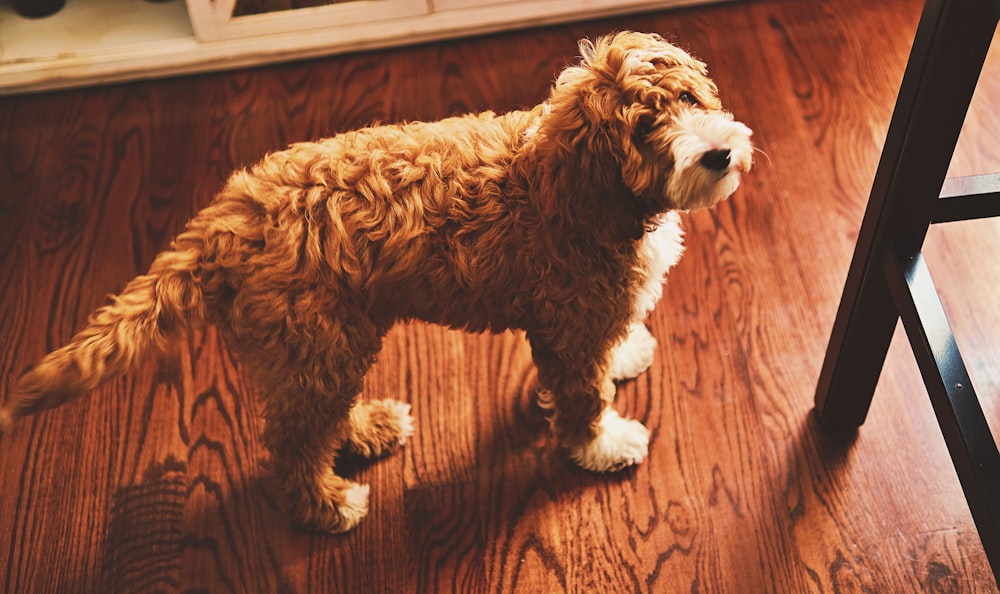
<point x="577" y="389"/>
<point x="634" y="354"/>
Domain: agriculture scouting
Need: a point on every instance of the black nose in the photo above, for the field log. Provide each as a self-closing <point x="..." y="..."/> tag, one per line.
<point x="715" y="159"/>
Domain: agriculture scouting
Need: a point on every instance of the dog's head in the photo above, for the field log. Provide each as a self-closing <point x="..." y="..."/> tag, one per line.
<point x="650" y="108"/>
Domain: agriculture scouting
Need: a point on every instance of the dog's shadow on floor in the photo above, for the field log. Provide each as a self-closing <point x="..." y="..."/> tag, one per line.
<point x="233" y="522"/>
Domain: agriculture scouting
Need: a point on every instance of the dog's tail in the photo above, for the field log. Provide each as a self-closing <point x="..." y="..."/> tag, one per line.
<point x="152" y="309"/>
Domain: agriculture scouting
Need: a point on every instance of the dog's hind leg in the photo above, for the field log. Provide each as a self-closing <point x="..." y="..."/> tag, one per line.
<point x="309" y="389"/>
<point x="577" y="389"/>
<point x="379" y="426"/>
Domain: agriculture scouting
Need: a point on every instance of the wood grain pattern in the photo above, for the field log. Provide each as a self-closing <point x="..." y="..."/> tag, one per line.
<point x="154" y="483"/>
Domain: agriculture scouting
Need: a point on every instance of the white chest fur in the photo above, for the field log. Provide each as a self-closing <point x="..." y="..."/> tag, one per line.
<point x="659" y="250"/>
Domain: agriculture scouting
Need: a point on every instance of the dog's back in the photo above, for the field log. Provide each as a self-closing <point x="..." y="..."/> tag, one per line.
<point x="391" y="220"/>
<point x="421" y="220"/>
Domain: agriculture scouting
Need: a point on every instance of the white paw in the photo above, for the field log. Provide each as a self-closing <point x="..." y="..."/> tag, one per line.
<point x="355" y="506"/>
<point x="401" y="411"/>
<point x="633" y="355"/>
<point x="619" y="443"/>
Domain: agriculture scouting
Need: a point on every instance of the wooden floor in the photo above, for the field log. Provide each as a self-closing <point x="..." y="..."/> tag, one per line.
<point x="153" y="483"/>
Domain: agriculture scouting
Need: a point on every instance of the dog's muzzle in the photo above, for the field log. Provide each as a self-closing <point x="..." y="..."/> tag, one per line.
<point x="711" y="151"/>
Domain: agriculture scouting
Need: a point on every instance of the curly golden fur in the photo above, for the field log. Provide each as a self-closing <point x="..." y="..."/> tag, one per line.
<point x="559" y="221"/>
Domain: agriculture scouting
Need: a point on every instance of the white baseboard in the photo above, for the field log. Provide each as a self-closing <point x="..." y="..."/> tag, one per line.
<point x="101" y="41"/>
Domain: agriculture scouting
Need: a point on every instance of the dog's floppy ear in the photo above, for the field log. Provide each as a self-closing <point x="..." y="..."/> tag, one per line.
<point x="593" y="107"/>
<point x="586" y="96"/>
<point x="637" y="122"/>
<point x="577" y="103"/>
<point x="597" y="116"/>
<point x="579" y="119"/>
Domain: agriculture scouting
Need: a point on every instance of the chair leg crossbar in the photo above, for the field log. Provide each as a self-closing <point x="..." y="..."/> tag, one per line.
<point x="888" y="279"/>
<point x="952" y="395"/>
<point x="965" y="198"/>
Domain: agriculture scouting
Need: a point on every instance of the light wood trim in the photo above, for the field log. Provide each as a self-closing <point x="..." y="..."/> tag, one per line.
<point x="183" y="55"/>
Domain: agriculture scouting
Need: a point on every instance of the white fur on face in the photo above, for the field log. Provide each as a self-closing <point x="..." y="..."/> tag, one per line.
<point x="692" y="134"/>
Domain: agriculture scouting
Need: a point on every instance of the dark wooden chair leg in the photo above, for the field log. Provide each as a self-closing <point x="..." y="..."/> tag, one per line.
<point x="948" y="52"/>
<point x="888" y="279"/>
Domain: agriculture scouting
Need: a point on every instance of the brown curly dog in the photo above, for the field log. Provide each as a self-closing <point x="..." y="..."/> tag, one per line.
<point x="559" y="221"/>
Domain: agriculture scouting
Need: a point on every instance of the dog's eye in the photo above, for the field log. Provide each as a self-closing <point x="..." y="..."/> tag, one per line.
<point x="688" y="97"/>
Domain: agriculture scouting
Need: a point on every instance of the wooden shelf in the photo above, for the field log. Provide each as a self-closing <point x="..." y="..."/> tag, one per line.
<point x="102" y="41"/>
